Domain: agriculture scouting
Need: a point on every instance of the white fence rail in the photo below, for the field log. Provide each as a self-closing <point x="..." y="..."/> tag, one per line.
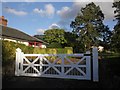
<point x="73" y="66"/>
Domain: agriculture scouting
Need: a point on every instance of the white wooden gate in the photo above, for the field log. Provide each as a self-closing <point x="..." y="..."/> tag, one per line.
<point x="73" y="66"/>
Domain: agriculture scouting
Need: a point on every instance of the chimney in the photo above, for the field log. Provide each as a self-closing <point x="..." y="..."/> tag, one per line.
<point x="3" y="21"/>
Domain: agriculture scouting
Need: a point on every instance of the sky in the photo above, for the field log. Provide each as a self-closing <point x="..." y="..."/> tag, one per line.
<point x="36" y="17"/>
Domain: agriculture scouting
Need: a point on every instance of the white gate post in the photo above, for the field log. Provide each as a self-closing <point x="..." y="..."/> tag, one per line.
<point x="18" y="56"/>
<point x="95" y="64"/>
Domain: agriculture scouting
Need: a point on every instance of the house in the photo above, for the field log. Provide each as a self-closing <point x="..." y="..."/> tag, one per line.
<point x="100" y="48"/>
<point x="15" y="35"/>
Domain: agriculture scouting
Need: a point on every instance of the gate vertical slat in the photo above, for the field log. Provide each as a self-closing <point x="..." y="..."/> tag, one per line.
<point x="88" y="66"/>
<point x="62" y="65"/>
<point x="95" y="64"/>
<point x="41" y="60"/>
<point x="17" y="64"/>
<point x="21" y="62"/>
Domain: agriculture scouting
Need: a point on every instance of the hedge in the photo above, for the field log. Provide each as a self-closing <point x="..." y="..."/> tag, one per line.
<point x="66" y="50"/>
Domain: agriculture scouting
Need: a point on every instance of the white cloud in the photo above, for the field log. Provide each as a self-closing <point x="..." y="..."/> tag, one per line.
<point x="107" y="9"/>
<point x="49" y="10"/>
<point x="36" y="10"/>
<point x="64" y="12"/>
<point x="15" y="12"/>
<point x="40" y="31"/>
<point x="54" y="26"/>
<point x="68" y="12"/>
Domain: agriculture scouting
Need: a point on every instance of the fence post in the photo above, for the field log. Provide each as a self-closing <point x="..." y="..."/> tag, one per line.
<point x="95" y="64"/>
<point x="18" y="53"/>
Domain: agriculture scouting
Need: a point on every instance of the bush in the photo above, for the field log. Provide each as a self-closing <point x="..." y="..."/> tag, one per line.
<point x="8" y="52"/>
<point x="37" y="50"/>
<point x="69" y="50"/>
<point x="8" y="56"/>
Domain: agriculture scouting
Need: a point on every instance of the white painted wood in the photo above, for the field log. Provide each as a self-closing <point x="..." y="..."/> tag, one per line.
<point x="21" y="62"/>
<point x="75" y="55"/>
<point x="95" y="64"/>
<point x="18" y="53"/>
<point x="81" y="60"/>
<point x="26" y="69"/>
<point x="17" y="64"/>
<point x="88" y="66"/>
<point x="62" y="65"/>
<point x="81" y="71"/>
<point x="68" y="71"/>
<point x="41" y="65"/>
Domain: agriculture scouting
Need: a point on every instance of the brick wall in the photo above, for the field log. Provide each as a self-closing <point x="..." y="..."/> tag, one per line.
<point x="3" y="21"/>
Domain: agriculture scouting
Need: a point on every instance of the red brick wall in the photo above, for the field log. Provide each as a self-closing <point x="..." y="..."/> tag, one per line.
<point x="3" y="21"/>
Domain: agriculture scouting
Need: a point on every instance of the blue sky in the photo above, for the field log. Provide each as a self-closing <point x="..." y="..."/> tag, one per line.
<point x="35" y="17"/>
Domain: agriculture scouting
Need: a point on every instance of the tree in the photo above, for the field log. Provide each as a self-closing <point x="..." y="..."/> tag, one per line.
<point x="55" y="36"/>
<point x="106" y="37"/>
<point x="115" y="42"/>
<point x="71" y="39"/>
<point x="88" y="25"/>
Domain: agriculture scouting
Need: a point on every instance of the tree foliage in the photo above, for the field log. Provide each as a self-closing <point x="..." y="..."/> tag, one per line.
<point x="71" y="39"/>
<point x="88" y="25"/>
<point x="55" y="45"/>
<point x="115" y="42"/>
<point x="55" y="36"/>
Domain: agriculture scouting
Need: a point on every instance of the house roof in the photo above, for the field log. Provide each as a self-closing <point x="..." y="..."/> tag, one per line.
<point x="12" y="33"/>
<point x="39" y="37"/>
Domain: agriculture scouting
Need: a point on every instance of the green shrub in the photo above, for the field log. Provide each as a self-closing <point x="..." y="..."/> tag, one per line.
<point x="8" y="55"/>
<point x="51" y="51"/>
<point x="67" y="50"/>
<point x="8" y="58"/>
<point x="8" y="52"/>
<point x="37" y="50"/>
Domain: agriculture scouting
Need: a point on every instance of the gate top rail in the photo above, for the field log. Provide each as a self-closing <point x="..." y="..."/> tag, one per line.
<point x="76" y="55"/>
